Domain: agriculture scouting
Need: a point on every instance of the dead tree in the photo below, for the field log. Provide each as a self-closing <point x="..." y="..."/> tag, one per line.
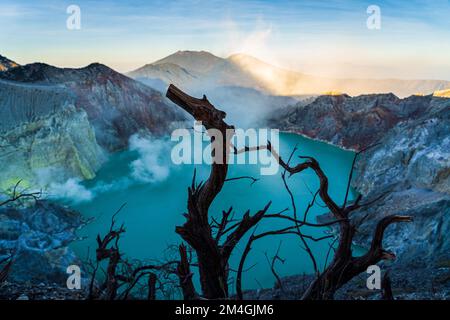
<point x="152" y="279"/>
<point x="386" y="289"/>
<point x="185" y="275"/>
<point x="272" y="262"/>
<point x="17" y="195"/>
<point x="108" y="249"/>
<point x="212" y="253"/>
<point x="344" y="266"/>
<point x="213" y="256"/>
<point x="123" y="276"/>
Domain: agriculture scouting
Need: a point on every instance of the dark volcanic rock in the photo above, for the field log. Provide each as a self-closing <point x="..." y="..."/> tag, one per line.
<point x="53" y="121"/>
<point x="414" y="154"/>
<point x="412" y="167"/>
<point x="38" y="237"/>
<point x="116" y="105"/>
<point x="424" y="243"/>
<point x="39" y="291"/>
<point x="410" y="285"/>
<point x="353" y="123"/>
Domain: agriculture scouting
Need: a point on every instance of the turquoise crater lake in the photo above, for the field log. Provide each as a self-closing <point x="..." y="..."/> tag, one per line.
<point x="154" y="208"/>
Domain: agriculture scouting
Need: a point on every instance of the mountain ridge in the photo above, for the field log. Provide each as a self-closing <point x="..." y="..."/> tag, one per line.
<point x="6" y="64"/>
<point x="117" y="105"/>
<point x="193" y="60"/>
<point x="57" y="123"/>
<point x="247" y="71"/>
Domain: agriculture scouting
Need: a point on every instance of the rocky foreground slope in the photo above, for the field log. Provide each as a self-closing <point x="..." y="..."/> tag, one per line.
<point x="409" y="168"/>
<point x="38" y="236"/>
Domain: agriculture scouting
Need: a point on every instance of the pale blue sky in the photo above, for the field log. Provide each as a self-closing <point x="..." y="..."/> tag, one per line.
<point x="320" y="37"/>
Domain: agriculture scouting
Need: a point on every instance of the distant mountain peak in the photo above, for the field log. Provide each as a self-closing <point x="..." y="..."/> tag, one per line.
<point x="6" y="64"/>
<point x="188" y="54"/>
<point x="196" y="61"/>
<point x="98" y="67"/>
<point x="194" y="52"/>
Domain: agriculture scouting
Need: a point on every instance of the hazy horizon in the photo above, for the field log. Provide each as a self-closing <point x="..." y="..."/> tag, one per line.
<point x="328" y="39"/>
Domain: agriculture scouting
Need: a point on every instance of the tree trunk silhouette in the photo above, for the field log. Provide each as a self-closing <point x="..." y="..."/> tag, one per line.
<point x="196" y="231"/>
<point x="386" y="289"/>
<point x="185" y="275"/>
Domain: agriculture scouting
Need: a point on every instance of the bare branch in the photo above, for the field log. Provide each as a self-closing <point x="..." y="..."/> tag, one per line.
<point x="16" y="195"/>
<point x="243" y="177"/>
<point x="272" y="263"/>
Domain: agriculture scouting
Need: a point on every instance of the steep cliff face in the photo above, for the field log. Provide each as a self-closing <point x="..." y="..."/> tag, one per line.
<point x="414" y="154"/>
<point x="409" y="168"/>
<point x="412" y="167"/>
<point x="116" y="105"/>
<point x="353" y="123"/>
<point x="55" y="122"/>
<point x="44" y="136"/>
